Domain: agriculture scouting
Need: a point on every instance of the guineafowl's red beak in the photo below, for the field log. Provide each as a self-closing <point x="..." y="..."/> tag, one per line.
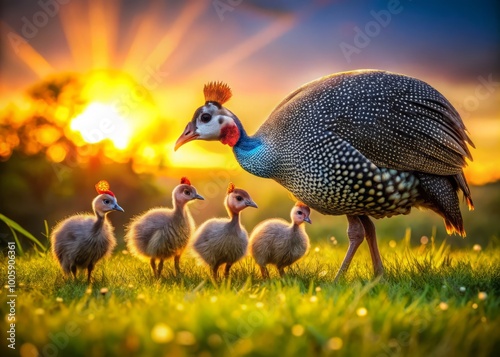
<point x="188" y="135"/>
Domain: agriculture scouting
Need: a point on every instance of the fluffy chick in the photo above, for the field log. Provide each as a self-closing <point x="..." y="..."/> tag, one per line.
<point x="280" y="243"/>
<point x="224" y="240"/>
<point x="80" y="241"/>
<point x="161" y="233"/>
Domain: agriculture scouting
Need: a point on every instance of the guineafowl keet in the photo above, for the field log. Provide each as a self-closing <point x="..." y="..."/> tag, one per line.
<point x="80" y="241"/>
<point x="280" y="243"/>
<point x="378" y="143"/>
<point x="161" y="233"/>
<point x="224" y="240"/>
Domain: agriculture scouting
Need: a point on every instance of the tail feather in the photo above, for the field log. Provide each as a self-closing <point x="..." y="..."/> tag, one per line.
<point x="439" y="193"/>
<point x="462" y="185"/>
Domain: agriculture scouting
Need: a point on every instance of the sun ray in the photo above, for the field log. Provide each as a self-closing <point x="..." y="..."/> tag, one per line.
<point x="75" y="25"/>
<point x="178" y="29"/>
<point x="143" y="27"/>
<point x="28" y="55"/>
<point x="103" y="19"/>
<point x="244" y="50"/>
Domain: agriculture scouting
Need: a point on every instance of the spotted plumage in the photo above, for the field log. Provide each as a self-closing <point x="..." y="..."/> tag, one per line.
<point x="361" y="143"/>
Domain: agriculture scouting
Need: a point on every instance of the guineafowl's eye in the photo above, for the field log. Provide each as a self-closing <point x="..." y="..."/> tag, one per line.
<point x="205" y="118"/>
<point x="299" y="213"/>
<point x="106" y="202"/>
<point x="187" y="192"/>
<point x="239" y="198"/>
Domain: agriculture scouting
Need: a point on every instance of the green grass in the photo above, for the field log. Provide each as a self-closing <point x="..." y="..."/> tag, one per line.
<point x="417" y="309"/>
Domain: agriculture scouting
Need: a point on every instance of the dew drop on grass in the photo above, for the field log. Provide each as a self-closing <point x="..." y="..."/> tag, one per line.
<point x="59" y="299"/>
<point x="476" y="248"/>
<point x="313" y="299"/>
<point x="335" y="343"/>
<point x="392" y="243"/>
<point x="443" y="306"/>
<point x="474" y="306"/>
<point x="213" y="299"/>
<point x="162" y="333"/>
<point x="482" y="295"/>
<point x="185" y="338"/>
<point x="28" y="349"/>
<point x="298" y="330"/>
<point x="214" y="340"/>
<point x="362" y="311"/>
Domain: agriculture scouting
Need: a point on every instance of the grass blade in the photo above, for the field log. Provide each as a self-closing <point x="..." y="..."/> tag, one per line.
<point x="15" y="227"/>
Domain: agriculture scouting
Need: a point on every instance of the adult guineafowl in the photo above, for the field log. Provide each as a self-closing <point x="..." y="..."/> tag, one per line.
<point x="378" y="143"/>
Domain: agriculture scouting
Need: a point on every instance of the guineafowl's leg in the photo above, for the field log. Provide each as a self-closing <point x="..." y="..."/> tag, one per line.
<point x="153" y="265"/>
<point x="226" y="269"/>
<point x="281" y="270"/>
<point x="160" y="267"/>
<point x="89" y="272"/>
<point x="176" y="265"/>
<point x="264" y="272"/>
<point x="215" y="269"/>
<point x="356" y="234"/>
<point x="73" y="270"/>
<point x="371" y="237"/>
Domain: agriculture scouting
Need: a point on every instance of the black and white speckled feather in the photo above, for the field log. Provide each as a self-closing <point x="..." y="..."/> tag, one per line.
<point x="374" y="142"/>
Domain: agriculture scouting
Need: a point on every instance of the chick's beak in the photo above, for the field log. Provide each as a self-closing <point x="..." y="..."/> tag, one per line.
<point x="250" y="203"/>
<point x="308" y="220"/>
<point x="199" y="197"/>
<point x="188" y="135"/>
<point x="118" y="208"/>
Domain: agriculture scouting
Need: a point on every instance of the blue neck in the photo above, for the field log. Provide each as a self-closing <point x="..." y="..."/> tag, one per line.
<point x="246" y="142"/>
<point x="251" y="153"/>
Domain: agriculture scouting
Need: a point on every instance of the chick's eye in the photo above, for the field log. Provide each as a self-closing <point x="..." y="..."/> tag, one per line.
<point x="299" y="213"/>
<point x="205" y="118"/>
<point x="239" y="198"/>
<point x="187" y="192"/>
<point x="106" y="201"/>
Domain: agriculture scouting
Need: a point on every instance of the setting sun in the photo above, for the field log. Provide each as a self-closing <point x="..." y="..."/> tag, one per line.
<point x="101" y="121"/>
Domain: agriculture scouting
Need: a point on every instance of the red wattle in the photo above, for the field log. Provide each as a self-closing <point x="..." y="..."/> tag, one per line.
<point x="229" y="134"/>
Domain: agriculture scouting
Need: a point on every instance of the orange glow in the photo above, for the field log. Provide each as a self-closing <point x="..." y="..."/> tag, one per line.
<point x="138" y="85"/>
<point x="56" y="153"/>
<point x="101" y="121"/>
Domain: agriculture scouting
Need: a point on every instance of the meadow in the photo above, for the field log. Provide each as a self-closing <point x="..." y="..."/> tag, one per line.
<point x="434" y="300"/>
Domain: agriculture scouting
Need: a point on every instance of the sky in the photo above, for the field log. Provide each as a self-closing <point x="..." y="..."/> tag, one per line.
<point x="263" y="50"/>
